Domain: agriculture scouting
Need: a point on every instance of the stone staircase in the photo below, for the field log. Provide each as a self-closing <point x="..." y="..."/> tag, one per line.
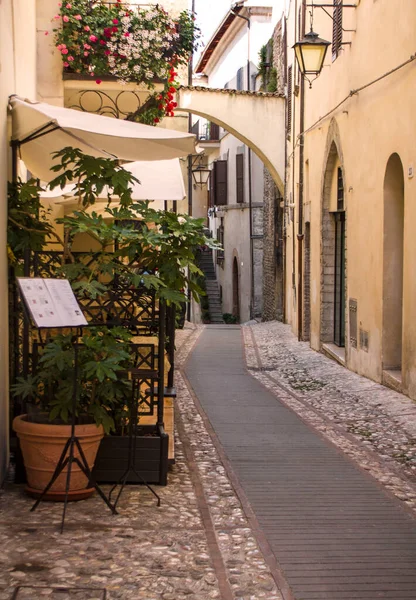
<point x="206" y="264"/>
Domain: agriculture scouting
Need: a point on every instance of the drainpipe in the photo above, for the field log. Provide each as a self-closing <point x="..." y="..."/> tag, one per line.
<point x="190" y="183"/>
<point x="301" y="235"/>
<point x="250" y="183"/>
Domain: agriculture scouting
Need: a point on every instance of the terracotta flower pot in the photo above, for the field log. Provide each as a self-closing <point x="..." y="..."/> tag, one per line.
<point x="42" y="445"/>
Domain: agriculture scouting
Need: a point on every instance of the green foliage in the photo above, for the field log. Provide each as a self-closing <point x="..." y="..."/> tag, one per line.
<point x="140" y="246"/>
<point x="268" y="73"/>
<point x="91" y="175"/>
<point x="103" y="395"/>
<point x="229" y="318"/>
<point x="27" y="226"/>
<point x="165" y="243"/>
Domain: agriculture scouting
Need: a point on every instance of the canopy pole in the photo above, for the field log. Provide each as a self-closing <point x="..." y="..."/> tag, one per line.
<point x="15" y="145"/>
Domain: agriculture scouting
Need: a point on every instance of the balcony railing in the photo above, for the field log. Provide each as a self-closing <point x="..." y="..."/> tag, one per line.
<point x="206" y="132"/>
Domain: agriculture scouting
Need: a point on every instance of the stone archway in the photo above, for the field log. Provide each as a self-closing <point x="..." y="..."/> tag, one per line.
<point x="229" y="109"/>
<point x="393" y="255"/>
<point x="333" y="244"/>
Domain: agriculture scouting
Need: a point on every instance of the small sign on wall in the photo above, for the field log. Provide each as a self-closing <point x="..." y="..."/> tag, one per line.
<point x="353" y="322"/>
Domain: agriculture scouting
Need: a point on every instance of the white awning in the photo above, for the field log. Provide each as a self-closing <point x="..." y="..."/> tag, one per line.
<point x="159" y="180"/>
<point x="42" y="129"/>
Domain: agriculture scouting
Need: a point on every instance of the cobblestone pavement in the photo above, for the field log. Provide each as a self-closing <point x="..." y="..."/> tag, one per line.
<point x="197" y="546"/>
<point x="371" y="423"/>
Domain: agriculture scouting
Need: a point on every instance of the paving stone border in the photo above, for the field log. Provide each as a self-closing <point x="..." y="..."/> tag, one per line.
<point x="372" y="424"/>
<point x="197" y="546"/>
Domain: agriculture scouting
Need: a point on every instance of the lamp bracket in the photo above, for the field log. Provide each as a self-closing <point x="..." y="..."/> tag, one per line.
<point x="323" y="6"/>
<point x="313" y="5"/>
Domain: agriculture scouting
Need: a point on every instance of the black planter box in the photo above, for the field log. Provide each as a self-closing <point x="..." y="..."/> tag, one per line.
<point x="151" y="457"/>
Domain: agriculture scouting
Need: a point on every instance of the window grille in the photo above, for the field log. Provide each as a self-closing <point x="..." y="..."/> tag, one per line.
<point x="340" y="190"/>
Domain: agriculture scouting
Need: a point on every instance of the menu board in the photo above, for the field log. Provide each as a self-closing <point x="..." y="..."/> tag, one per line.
<point x="51" y="302"/>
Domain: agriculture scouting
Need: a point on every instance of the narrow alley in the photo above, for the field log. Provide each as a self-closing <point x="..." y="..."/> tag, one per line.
<point x="268" y="499"/>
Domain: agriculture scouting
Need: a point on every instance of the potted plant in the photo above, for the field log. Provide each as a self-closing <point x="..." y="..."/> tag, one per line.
<point x="155" y="259"/>
<point x="101" y="399"/>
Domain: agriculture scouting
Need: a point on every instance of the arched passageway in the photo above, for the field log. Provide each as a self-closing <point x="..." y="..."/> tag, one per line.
<point x="263" y="132"/>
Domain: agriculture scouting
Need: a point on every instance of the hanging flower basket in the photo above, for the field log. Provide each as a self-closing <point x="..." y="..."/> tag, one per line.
<point x="133" y="43"/>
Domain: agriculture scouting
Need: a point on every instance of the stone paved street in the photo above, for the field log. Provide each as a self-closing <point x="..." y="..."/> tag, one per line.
<point x="198" y="545"/>
<point x="204" y="541"/>
<point x="371" y="423"/>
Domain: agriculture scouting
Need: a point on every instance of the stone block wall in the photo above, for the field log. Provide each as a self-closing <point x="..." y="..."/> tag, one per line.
<point x="273" y="213"/>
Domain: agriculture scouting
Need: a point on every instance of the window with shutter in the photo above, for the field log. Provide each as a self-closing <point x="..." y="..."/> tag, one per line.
<point x="289" y="101"/>
<point x="337" y="29"/>
<point x="240" y="177"/>
<point x="221" y="182"/>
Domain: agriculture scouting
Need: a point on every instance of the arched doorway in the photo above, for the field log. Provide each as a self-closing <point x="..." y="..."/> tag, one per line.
<point x="393" y="264"/>
<point x="236" y="291"/>
<point x="333" y="282"/>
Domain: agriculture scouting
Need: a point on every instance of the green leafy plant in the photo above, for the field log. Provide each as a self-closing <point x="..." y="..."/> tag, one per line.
<point x="229" y="319"/>
<point x="133" y="43"/>
<point x="267" y="72"/>
<point x="102" y="393"/>
<point x="159" y="255"/>
<point x="28" y="225"/>
<point x="137" y="245"/>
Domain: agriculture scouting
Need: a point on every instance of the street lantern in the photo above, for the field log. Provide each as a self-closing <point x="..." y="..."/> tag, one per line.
<point x="310" y="53"/>
<point x="200" y="176"/>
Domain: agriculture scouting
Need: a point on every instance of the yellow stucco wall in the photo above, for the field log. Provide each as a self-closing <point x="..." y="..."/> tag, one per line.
<point x="368" y="128"/>
<point x="17" y="75"/>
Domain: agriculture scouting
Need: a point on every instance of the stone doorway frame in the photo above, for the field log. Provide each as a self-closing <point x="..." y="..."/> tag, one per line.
<point x="333" y="151"/>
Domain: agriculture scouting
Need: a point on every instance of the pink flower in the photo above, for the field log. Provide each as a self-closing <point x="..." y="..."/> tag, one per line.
<point x="86" y="28"/>
<point x="87" y="47"/>
<point x="93" y="38"/>
<point x="107" y="52"/>
<point x="102" y="42"/>
<point x="66" y="64"/>
<point x="115" y="21"/>
<point x="86" y="53"/>
<point x="78" y="17"/>
<point x="127" y="34"/>
<point x="64" y="51"/>
<point x="65" y="18"/>
<point x="69" y="6"/>
<point x="70" y="58"/>
<point x="46" y="32"/>
<point x="59" y="3"/>
<point x="98" y="81"/>
<point x="57" y="17"/>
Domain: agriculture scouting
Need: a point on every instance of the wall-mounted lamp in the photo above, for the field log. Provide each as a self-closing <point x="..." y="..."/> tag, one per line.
<point x="200" y="176"/>
<point x="310" y="53"/>
<point x="200" y="173"/>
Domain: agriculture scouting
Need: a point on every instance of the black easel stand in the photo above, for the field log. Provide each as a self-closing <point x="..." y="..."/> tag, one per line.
<point x="68" y="457"/>
<point x="133" y="418"/>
